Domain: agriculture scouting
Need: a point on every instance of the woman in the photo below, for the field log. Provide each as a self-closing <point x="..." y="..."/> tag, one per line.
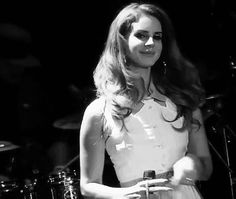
<point x="146" y="114"/>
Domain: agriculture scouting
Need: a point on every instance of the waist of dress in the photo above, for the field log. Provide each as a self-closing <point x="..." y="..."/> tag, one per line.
<point x="166" y="175"/>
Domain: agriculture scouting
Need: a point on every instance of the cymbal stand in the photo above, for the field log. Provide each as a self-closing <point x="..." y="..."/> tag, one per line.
<point x="225" y="129"/>
<point x="220" y="157"/>
<point x="69" y="163"/>
<point x="228" y="161"/>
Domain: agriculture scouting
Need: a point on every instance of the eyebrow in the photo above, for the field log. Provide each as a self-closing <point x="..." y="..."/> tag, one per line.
<point x="158" y="32"/>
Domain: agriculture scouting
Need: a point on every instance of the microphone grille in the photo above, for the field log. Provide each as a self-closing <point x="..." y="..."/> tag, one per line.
<point x="149" y="174"/>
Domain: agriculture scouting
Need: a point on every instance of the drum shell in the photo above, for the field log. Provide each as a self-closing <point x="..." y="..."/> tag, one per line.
<point x="65" y="185"/>
<point x="10" y="190"/>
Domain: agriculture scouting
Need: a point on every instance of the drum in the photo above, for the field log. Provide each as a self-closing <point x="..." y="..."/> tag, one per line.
<point x="64" y="185"/>
<point x="10" y="190"/>
<point x="30" y="190"/>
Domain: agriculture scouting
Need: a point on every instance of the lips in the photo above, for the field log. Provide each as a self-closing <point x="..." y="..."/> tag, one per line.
<point x="148" y="53"/>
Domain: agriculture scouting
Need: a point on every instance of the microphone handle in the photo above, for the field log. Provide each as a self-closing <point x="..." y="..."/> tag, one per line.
<point x="147" y="175"/>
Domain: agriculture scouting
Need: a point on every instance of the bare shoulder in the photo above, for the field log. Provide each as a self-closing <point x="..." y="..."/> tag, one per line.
<point x="92" y="119"/>
<point x="95" y="108"/>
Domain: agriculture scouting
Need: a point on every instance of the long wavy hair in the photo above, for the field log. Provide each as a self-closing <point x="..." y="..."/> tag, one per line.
<point x="179" y="81"/>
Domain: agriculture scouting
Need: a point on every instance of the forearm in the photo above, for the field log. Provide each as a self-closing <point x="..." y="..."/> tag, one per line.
<point x="99" y="191"/>
<point x="204" y="168"/>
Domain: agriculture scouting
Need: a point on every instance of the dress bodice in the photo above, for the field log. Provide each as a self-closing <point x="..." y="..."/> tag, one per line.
<point x="150" y="140"/>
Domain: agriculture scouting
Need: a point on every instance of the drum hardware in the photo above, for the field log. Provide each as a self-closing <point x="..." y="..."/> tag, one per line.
<point x="70" y="190"/>
<point x="64" y="185"/>
<point x="69" y="163"/>
<point x="232" y="65"/>
<point x="10" y="190"/>
<point x="29" y="190"/>
<point x="14" y="189"/>
<point x="212" y="105"/>
<point x="227" y="133"/>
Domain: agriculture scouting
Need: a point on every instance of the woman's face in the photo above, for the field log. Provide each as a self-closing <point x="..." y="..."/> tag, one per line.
<point x="145" y="41"/>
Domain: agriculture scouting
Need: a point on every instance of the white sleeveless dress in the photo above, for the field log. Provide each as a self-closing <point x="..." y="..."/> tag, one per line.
<point x="149" y="142"/>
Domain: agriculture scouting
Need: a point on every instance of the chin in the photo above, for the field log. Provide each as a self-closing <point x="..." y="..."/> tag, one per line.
<point x="148" y="64"/>
<point x="144" y="63"/>
<point x="145" y="66"/>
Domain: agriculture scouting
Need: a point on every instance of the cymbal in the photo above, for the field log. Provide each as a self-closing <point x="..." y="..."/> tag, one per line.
<point x="215" y="96"/>
<point x="6" y="146"/>
<point x="71" y="122"/>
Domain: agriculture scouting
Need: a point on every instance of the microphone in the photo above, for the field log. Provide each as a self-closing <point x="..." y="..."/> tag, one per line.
<point x="148" y="175"/>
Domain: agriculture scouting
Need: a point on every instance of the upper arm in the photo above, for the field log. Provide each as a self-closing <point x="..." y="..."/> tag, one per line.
<point x="92" y="146"/>
<point x="198" y="142"/>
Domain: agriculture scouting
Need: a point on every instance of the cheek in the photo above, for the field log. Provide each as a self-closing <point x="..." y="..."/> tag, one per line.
<point x="132" y="52"/>
<point x="159" y="50"/>
<point x="159" y="47"/>
<point x="134" y="44"/>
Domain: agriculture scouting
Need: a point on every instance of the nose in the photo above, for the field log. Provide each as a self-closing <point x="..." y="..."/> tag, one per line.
<point x="150" y="42"/>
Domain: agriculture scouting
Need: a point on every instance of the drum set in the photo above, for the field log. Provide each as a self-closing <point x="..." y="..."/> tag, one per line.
<point x="62" y="184"/>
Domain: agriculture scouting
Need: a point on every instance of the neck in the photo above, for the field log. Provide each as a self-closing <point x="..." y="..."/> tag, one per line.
<point x="145" y="73"/>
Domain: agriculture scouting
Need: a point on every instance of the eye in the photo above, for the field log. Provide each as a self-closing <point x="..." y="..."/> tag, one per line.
<point x="157" y="37"/>
<point x="141" y="35"/>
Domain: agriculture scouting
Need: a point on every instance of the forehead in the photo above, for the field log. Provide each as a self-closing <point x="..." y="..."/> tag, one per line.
<point x="148" y="23"/>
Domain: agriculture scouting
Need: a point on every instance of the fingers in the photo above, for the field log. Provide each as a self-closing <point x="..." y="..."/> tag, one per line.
<point x="153" y="182"/>
<point x="160" y="188"/>
<point x="157" y="181"/>
<point x="147" y="187"/>
<point x="155" y="185"/>
<point x="133" y="196"/>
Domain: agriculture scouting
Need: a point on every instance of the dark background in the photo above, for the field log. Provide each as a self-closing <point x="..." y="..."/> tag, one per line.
<point x="68" y="39"/>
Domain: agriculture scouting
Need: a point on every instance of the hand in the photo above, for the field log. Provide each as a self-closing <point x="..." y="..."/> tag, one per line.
<point x="143" y="188"/>
<point x="151" y="186"/>
<point x="185" y="169"/>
